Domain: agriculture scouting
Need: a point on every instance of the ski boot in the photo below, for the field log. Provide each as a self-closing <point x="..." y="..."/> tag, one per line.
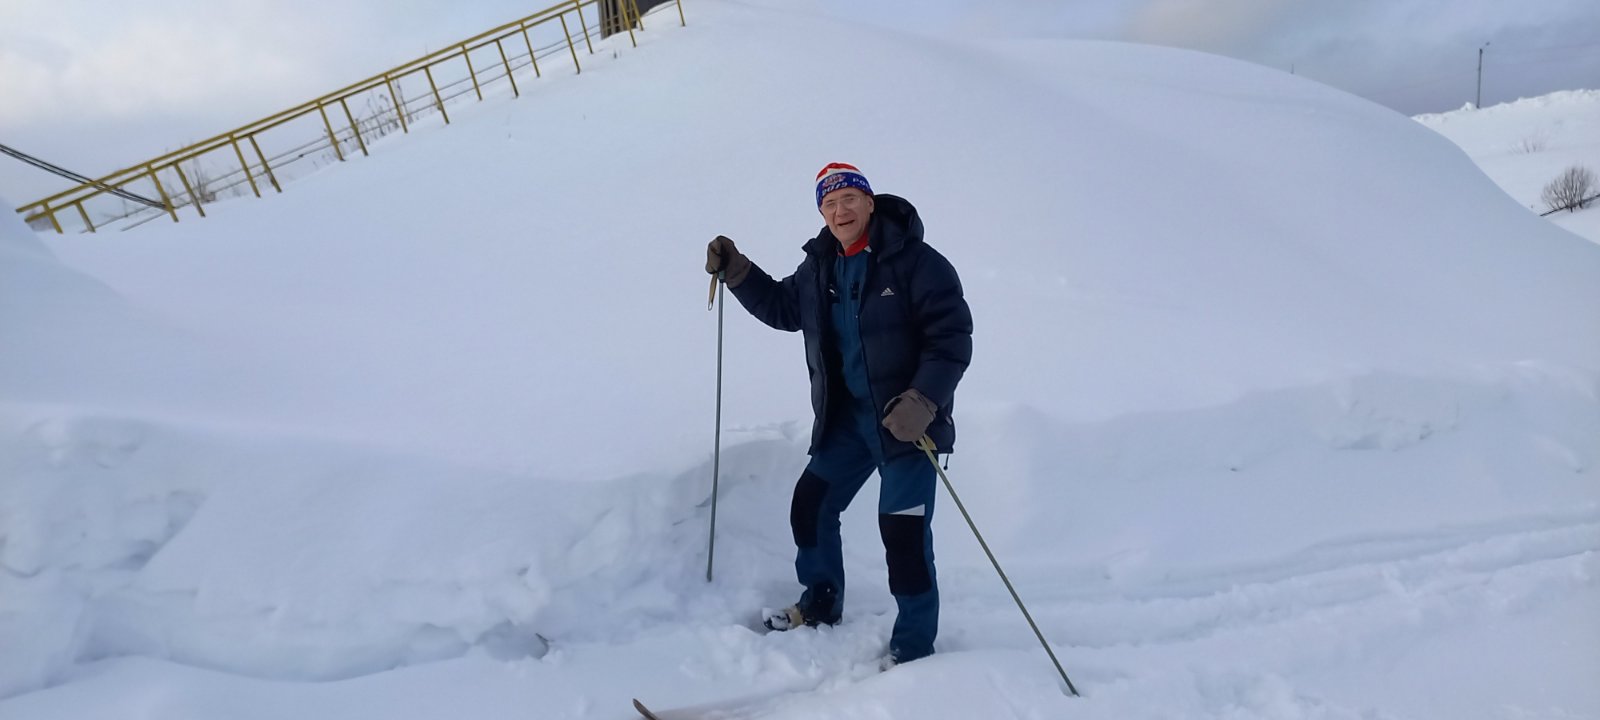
<point x="817" y="606"/>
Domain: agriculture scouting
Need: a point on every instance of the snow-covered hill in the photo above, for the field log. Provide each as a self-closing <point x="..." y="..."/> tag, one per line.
<point x="1279" y="408"/>
<point x="1523" y="145"/>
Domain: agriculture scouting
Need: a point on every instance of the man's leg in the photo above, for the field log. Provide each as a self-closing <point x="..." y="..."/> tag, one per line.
<point x="905" y="519"/>
<point x="838" y="469"/>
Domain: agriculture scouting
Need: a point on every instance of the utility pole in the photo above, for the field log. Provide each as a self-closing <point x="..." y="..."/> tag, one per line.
<point x="1478" y="104"/>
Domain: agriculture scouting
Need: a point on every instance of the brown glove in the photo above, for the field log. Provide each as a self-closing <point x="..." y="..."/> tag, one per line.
<point x="908" y="415"/>
<point x="723" y="257"/>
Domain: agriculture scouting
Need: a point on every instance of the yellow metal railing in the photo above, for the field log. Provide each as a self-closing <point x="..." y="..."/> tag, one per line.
<point x="242" y="144"/>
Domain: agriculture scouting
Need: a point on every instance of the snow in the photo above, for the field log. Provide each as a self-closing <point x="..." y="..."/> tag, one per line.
<point x="1524" y="145"/>
<point x="1279" y="408"/>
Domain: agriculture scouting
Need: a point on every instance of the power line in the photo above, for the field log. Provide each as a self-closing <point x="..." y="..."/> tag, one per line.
<point x="70" y="175"/>
<point x="1542" y="61"/>
<point x="1552" y="48"/>
<point x="1437" y="80"/>
<point x="1522" y="58"/>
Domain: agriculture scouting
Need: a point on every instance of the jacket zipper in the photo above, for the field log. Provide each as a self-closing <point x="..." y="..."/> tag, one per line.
<point x="877" y="423"/>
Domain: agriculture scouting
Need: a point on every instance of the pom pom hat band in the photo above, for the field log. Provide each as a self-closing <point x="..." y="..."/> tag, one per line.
<point x="836" y="176"/>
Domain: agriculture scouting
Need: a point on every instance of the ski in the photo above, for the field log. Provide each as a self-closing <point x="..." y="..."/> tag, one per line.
<point x="734" y="708"/>
<point x="755" y="704"/>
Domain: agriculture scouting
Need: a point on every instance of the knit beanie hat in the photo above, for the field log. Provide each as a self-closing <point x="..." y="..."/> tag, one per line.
<point x="834" y="176"/>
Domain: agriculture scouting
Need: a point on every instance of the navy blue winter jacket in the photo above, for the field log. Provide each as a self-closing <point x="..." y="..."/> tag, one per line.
<point x="916" y="329"/>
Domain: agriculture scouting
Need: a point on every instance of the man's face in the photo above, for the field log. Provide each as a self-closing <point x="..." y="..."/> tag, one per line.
<point x="847" y="211"/>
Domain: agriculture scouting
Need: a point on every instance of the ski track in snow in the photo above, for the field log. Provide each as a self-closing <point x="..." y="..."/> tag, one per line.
<point x="1341" y="596"/>
<point x="1423" y="572"/>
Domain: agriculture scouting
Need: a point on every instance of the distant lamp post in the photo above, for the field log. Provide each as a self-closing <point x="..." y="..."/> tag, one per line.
<point x="1478" y="104"/>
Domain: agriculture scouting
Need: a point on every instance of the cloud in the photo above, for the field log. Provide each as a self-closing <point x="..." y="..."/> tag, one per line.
<point x="118" y="60"/>
<point x="1217" y="25"/>
<point x="96" y="85"/>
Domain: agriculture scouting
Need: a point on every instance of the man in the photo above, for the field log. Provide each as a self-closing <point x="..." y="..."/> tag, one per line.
<point x="888" y="336"/>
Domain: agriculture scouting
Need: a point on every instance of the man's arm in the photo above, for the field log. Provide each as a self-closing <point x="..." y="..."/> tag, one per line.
<point x="774" y="302"/>
<point x="945" y="323"/>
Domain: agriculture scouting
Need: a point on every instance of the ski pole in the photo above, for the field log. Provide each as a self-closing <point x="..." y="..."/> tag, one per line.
<point x="926" y="445"/>
<point x="717" y="294"/>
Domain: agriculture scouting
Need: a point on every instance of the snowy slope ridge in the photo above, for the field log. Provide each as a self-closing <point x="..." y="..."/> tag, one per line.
<point x="1279" y="408"/>
<point x="1523" y="145"/>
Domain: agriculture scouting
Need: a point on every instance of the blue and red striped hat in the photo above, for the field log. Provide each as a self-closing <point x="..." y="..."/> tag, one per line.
<point x="834" y="176"/>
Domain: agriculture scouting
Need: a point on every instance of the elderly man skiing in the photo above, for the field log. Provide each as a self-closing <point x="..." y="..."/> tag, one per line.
<point x="888" y="335"/>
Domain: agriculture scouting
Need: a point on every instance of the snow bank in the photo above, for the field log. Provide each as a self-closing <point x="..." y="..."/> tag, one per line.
<point x="57" y="324"/>
<point x="1523" y="145"/>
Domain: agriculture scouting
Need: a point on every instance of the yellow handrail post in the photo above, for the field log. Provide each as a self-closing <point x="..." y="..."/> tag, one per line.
<point x="81" y="213"/>
<point x="265" y="165"/>
<point x="247" y="174"/>
<point x="399" y="108"/>
<point x="681" y="21"/>
<point x="334" y="139"/>
<point x="467" y="55"/>
<point x="354" y="127"/>
<point x="195" y="198"/>
<point x="578" y="5"/>
<point x="532" y="56"/>
<point x="638" y="17"/>
<point x="51" y="213"/>
<point x="502" y="48"/>
<point x="570" y="46"/>
<point x="622" y="10"/>
<point x="165" y="199"/>
<point x="428" y="70"/>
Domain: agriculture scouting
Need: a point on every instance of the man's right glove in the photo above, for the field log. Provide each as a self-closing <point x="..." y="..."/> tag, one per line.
<point x="908" y="415"/>
<point x="723" y="257"/>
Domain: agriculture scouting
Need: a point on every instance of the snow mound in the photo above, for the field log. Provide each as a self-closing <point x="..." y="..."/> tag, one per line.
<point x="60" y="327"/>
<point x="1274" y="398"/>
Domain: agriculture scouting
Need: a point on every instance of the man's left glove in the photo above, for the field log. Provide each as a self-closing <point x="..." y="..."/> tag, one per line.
<point x="908" y="415"/>
<point x="722" y="256"/>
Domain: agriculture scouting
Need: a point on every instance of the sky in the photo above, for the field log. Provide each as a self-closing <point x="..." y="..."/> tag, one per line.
<point x="95" y="86"/>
